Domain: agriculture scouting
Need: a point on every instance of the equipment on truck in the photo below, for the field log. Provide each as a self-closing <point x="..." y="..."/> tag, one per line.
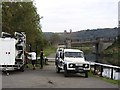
<point x="12" y="51"/>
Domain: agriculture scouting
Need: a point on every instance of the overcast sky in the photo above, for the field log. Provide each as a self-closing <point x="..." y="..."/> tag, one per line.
<point x="119" y="11"/>
<point x="60" y="15"/>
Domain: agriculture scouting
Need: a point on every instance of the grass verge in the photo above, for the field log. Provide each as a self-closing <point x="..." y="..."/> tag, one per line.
<point x="105" y="79"/>
<point x="49" y="50"/>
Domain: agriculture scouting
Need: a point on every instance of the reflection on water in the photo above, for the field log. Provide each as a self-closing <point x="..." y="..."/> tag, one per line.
<point x="90" y="57"/>
<point x="101" y="59"/>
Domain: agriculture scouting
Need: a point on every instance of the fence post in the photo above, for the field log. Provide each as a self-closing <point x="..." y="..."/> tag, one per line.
<point x="112" y="73"/>
<point x="101" y="70"/>
<point x="95" y="69"/>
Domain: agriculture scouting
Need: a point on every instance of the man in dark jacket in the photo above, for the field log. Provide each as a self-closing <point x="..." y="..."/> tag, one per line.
<point x="41" y="58"/>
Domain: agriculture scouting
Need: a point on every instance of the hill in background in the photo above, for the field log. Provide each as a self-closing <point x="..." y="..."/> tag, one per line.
<point x="86" y="34"/>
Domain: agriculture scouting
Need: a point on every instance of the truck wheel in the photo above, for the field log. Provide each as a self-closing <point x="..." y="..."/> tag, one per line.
<point x="22" y="69"/>
<point x="8" y="74"/>
<point x="86" y="74"/>
<point x="65" y="72"/>
<point x="57" y="69"/>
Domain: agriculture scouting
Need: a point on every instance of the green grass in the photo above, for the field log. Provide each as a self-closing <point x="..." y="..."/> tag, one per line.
<point x="49" y="50"/>
<point x="109" y="80"/>
<point x="29" y="65"/>
<point x="104" y="78"/>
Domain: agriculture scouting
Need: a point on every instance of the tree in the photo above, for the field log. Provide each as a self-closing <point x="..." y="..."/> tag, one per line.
<point x="55" y="39"/>
<point x="22" y="17"/>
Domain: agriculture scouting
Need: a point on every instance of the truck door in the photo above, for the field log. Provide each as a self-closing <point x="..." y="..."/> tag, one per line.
<point x="7" y="52"/>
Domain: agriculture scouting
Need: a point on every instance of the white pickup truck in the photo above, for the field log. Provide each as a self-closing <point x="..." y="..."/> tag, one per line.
<point x="71" y="61"/>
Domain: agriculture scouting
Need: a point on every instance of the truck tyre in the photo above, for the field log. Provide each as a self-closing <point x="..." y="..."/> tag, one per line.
<point x="57" y="69"/>
<point x="86" y="74"/>
<point x="65" y="71"/>
<point x="22" y="69"/>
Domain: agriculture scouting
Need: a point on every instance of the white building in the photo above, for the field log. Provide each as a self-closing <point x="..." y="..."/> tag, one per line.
<point x="119" y="14"/>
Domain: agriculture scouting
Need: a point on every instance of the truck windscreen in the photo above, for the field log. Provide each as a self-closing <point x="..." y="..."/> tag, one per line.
<point x="74" y="54"/>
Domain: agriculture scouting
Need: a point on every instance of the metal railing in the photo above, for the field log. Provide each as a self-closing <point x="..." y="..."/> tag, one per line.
<point x="105" y="70"/>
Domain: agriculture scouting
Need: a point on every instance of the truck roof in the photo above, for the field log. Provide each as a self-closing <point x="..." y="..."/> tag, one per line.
<point x="60" y="49"/>
<point x="72" y="50"/>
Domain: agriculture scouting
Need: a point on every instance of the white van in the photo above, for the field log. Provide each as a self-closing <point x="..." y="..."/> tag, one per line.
<point x="72" y="61"/>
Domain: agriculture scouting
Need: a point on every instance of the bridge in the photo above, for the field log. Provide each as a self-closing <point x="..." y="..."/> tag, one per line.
<point x="92" y="41"/>
<point x="100" y="43"/>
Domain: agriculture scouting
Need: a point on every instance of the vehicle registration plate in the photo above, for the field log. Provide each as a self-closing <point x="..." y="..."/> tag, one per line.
<point x="79" y="64"/>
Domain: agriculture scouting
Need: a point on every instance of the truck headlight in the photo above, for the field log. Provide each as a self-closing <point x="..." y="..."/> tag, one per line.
<point x="85" y="65"/>
<point x="71" y="65"/>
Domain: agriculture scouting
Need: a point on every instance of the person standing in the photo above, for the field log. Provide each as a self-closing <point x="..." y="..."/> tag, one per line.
<point x="41" y="58"/>
<point x="33" y="59"/>
<point x="26" y="58"/>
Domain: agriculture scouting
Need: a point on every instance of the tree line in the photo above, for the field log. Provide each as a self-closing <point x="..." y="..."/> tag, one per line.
<point x="23" y="17"/>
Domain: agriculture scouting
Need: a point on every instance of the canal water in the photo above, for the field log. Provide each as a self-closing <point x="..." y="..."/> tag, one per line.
<point x="90" y="57"/>
<point x="105" y="60"/>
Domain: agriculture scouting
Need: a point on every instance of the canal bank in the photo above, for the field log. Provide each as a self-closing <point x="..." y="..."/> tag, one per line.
<point x="103" y="66"/>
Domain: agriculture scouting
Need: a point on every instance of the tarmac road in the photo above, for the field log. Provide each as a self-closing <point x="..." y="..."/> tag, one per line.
<point x="48" y="78"/>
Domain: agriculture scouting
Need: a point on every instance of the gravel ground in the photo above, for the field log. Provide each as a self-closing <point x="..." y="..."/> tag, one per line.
<point x="48" y="78"/>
